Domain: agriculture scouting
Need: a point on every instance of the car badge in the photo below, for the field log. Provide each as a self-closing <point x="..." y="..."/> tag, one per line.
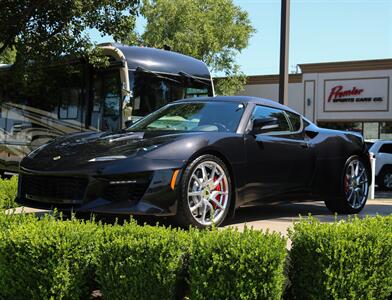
<point x="56" y="157"/>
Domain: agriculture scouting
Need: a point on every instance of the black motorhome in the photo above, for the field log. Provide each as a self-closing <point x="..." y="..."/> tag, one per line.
<point x="82" y="98"/>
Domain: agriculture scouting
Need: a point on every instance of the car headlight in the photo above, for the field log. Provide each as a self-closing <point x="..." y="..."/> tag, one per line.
<point x="107" y="158"/>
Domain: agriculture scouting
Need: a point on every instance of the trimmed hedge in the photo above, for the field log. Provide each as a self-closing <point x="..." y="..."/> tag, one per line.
<point x="55" y="259"/>
<point x="342" y="260"/>
<point x="136" y="262"/>
<point x="46" y="259"/>
<point x="8" y="190"/>
<point x="51" y="258"/>
<point x="227" y="264"/>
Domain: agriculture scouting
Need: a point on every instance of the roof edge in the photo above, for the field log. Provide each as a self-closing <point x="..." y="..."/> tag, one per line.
<point x="347" y="66"/>
<point x="271" y="79"/>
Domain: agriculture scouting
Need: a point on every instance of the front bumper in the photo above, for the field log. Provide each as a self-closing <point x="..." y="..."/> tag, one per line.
<point x="141" y="193"/>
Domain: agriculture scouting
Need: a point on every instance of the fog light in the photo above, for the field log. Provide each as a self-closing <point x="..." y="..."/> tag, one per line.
<point x="122" y="182"/>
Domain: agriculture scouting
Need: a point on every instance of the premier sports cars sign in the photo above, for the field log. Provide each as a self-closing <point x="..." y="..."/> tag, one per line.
<point x="362" y="94"/>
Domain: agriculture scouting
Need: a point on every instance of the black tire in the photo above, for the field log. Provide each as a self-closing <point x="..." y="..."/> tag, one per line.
<point x="339" y="203"/>
<point x="184" y="216"/>
<point x="382" y="178"/>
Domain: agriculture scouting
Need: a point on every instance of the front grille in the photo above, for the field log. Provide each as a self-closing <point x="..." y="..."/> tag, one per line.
<point x="53" y="189"/>
<point x="126" y="192"/>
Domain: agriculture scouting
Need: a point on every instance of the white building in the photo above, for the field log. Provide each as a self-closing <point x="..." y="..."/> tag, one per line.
<point x="352" y="95"/>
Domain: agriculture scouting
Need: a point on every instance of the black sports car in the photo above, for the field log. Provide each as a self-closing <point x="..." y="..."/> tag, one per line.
<point x="198" y="159"/>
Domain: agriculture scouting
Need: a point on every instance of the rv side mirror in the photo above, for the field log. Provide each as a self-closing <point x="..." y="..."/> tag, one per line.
<point x="264" y="125"/>
<point x="128" y="123"/>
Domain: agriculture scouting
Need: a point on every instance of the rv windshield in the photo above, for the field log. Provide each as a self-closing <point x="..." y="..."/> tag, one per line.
<point x="150" y="91"/>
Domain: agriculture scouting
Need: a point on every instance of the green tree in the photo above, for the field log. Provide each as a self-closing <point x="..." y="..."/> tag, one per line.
<point x="44" y="30"/>
<point x="214" y="31"/>
<point x="8" y="56"/>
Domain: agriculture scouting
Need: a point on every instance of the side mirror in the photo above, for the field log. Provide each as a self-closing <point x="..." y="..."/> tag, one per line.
<point x="264" y="125"/>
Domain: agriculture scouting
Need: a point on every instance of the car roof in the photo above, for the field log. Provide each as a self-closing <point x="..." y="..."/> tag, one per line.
<point x="241" y="99"/>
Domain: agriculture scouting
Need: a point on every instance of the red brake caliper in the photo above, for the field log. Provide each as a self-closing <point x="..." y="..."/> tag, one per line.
<point x="345" y="184"/>
<point x="218" y="197"/>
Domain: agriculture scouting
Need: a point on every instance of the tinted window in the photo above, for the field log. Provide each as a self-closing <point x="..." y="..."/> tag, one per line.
<point x="295" y="121"/>
<point x="264" y="112"/>
<point x="386" y="148"/>
<point x="194" y="116"/>
<point x="151" y="91"/>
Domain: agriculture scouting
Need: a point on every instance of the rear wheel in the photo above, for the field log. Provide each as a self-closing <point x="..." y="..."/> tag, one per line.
<point x="385" y="179"/>
<point x="354" y="188"/>
<point x="205" y="192"/>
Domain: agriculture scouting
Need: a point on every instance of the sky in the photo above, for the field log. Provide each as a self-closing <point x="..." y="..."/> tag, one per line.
<point x="320" y="31"/>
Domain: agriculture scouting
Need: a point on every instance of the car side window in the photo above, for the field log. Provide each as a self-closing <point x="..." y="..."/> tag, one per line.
<point x="295" y="121"/>
<point x="264" y="112"/>
<point x="386" y="148"/>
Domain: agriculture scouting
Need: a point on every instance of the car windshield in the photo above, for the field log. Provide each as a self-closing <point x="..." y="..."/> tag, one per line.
<point x="193" y="116"/>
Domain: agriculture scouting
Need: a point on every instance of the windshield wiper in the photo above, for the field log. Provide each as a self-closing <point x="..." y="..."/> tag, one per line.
<point x="140" y="69"/>
<point x="194" y="78"/>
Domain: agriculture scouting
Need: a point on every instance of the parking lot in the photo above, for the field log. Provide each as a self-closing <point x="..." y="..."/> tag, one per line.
<point x="280" y="217"/>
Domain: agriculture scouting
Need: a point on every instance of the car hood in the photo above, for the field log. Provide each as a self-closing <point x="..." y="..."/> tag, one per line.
<point x="81" y="149"/>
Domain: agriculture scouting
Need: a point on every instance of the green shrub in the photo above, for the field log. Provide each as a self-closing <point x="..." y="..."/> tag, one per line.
<point x="343" y="260"/>
<point x="8" y="190"/>
<point x="46" y="259"/>
<point x="136" y="262"/>
<point x="227" y="264"/>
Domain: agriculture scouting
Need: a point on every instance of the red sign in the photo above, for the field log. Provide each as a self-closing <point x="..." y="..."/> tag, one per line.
<point x="338" y="92"/>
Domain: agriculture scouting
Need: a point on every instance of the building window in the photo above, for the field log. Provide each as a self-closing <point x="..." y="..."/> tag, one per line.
<point x="370" y="130"/>
<point x="386" y="130"/>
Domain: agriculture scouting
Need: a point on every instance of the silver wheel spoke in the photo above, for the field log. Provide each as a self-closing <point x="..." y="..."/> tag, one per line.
<point x="351" y="194"/>
<point x="203" y="218"/>
<point x="360" y="175"/>
<point x="217" y="203"/>
<point x="354" y="198"/>
<point x="204" y="172"/>
<point x="217" y="182"/>
<point x="213" y="173"/>
<point x="196" y="206"/>
<point x="196" y="193"/>
<point x="357" y="169"/>
<point x="194" y="177"/>
<point x="216" y="193"/>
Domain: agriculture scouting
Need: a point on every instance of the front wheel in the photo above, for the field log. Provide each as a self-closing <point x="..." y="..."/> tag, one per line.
<point x="205" y="192"/>
<point x="354" y="188"/>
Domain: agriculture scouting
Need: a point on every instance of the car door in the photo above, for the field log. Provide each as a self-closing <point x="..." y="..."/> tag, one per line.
<point x="277" y="160"/>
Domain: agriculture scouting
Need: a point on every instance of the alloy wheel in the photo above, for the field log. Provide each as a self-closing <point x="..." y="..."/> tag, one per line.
<point x="356" y="184"/>
<point x="208" y="193"/>
<point x="388" y="180"/>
